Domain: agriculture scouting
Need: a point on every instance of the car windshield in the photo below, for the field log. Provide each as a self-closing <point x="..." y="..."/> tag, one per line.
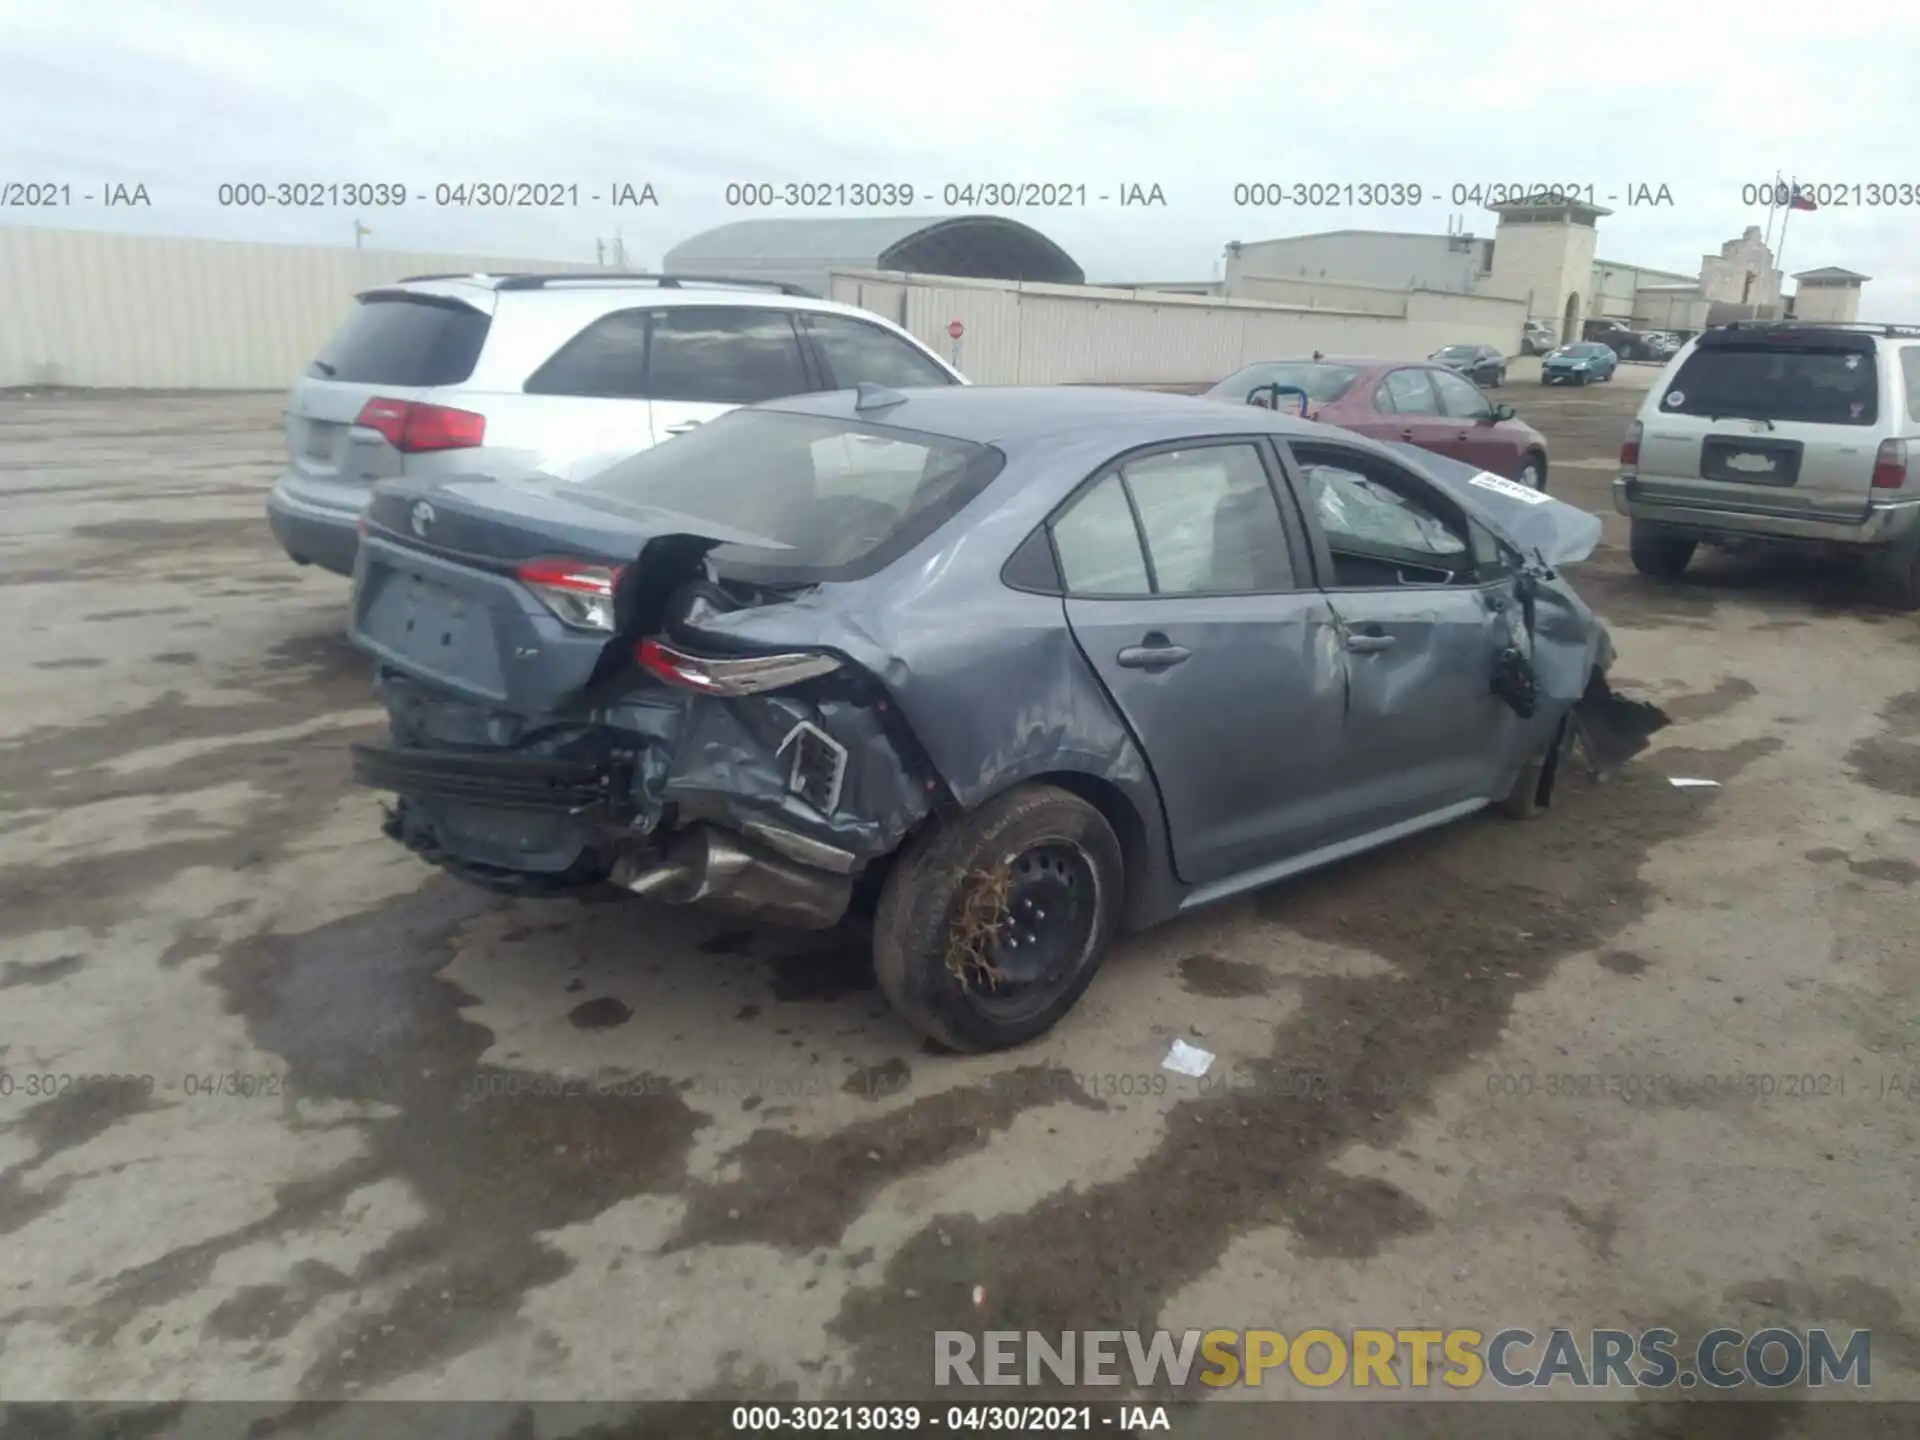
<point x="1456" y="352"/>
<point x="843" y="498"/>
<point x="1582" y="352"/>
<point x="1798" y="382"/>
<point x="1324" y="384"/>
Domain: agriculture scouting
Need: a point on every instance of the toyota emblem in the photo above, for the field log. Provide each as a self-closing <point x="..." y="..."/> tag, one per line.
<point x="422" y="518"/>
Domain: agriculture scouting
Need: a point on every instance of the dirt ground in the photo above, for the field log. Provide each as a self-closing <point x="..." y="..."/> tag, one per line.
<point x="352" y="1176"/>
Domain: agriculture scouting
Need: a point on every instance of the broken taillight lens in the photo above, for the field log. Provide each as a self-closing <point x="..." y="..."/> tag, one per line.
<point x="748" y="675"/>
<point x="1890" y="465"/>
<point x="578" y="591"/>
<point x="1630" y="447"/>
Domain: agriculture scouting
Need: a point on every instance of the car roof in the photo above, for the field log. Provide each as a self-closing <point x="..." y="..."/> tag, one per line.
<point x="1013" y="415"/>
<point x="588" y="290"/>
<point x="1346" y="362"/>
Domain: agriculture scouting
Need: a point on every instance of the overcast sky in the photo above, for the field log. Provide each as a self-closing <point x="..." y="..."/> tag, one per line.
<point x="1193" y="96"/>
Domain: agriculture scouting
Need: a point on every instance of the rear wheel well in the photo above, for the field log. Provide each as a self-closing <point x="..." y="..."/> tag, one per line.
<point x="1118" y="811"/>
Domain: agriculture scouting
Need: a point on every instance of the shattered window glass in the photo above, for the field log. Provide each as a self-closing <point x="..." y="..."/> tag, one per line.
<point x="1360" y="510"/>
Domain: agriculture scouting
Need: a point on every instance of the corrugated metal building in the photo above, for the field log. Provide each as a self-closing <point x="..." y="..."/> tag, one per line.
<point x="807" y="251"/>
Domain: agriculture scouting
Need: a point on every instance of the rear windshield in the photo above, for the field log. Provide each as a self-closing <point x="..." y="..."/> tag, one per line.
<point x="404" y="340"/>
<point x="1457" y="352"/>
<point x="1324" y="384"/>
<point x="846" y="497"/>
<point x="1821" y="387"/>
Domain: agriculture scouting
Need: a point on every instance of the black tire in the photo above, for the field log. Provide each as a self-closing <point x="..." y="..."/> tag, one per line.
<point x="913" y="932"/>
<point x="1898" y="574"/>
<point x="1656" y="553"/>
<point x="1539" y="462"/>
<point x="1522" y="800"/>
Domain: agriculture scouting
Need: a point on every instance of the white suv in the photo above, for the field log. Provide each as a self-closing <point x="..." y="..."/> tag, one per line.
<point x="502" y="374"/>
<point x="1802" y="434"/>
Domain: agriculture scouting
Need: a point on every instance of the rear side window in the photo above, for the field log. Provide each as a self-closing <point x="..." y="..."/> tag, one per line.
<point x="401" y="339"/>
<point x="607" y="360"/>
<point x="858" y="353"/>
<point x="1407" y="392"/>
<point x="720" y="356"/>
<point x="1910" y="372"/>
<point x="1211" y="523"/>
<point x="1099" y="544"/>
<point x="1777" y="382"/>
<point x="841" y="499"/>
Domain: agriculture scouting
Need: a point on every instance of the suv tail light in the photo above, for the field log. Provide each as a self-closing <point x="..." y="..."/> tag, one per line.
<point x="753" y="675"/>
<point x="1630" y="447"/>
<point x="1890" y="465"/>
<point x="412" y="428"/>
<point x="578" y="591"/>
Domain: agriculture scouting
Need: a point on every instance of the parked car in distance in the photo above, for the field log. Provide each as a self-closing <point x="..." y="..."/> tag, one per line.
<point x="1625" y="342"/>
<point x="1410" y="401"/>
<point x="1003" y="702"/>
<point x="1536" y="337"/>
<point x="1579" y="364"/>
<point x="500" y="374"/>
<point x="1481" y="364"/>
<point x="1794" y="434"/>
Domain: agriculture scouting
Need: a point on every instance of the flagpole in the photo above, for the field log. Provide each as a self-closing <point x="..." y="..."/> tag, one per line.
<point x="1779" y="262"/>
<point x="1766" y="239"/>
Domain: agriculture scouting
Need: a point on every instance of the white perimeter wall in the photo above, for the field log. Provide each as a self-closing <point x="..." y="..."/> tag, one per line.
<point x="149" y="312"/>
<point x="1020" y="334"/>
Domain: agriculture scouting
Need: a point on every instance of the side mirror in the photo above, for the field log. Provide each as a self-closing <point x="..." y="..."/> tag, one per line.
<point x="1501" y="412"/>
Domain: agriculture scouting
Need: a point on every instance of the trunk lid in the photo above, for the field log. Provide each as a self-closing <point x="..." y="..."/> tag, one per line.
<point x="438" y="593"/>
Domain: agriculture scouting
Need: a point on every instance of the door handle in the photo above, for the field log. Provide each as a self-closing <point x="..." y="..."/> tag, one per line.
<point x="683" y="427"/>
<point x="1406" y="432"/>
<point x="1151" y="657"/>
<point x="1368" y="641"/>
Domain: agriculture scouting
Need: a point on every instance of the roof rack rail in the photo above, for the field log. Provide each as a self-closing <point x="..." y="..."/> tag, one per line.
<point x="1874" y="327"/>
<point x="667" y="281"/>
<point x="449" y="275"/>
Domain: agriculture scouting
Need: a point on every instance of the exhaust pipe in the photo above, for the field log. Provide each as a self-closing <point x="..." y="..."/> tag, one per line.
<point x="706" y="866"/>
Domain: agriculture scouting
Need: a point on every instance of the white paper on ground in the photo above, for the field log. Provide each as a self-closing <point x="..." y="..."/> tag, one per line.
<point x="1680" y="784"/>
<point x="1185" y="1059"/>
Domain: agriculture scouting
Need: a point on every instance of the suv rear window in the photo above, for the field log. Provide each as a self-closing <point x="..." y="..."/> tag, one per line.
<point x="843" y="498"/>
<point x="1807" y="383"/>
<point x="401" y="339"/>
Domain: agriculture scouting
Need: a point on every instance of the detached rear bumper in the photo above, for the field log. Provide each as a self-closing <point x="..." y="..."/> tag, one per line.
<point x="504" y="782"/>
<point x="527" y="825"/>
<point x="1886" y="523"/>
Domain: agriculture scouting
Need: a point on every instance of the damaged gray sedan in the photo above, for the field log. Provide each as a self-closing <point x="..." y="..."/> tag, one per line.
<point x="996" y="672"/>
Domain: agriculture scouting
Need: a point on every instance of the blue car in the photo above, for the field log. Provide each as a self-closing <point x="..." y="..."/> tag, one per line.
<point x="1579" y="363"/>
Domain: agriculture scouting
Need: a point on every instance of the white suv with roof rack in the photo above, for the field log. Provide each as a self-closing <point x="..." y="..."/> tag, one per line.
<point x="1800" y="433"/>
<point x="502" y="374"/>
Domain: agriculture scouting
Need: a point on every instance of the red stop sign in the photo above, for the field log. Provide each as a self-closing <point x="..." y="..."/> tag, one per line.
<point x="955" y="330"/>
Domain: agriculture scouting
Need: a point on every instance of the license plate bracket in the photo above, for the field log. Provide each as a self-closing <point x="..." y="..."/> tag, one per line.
<point x="1750" y="460"/>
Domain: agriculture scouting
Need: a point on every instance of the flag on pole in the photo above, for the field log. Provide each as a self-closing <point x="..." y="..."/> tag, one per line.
<point x="1799" y="199"/>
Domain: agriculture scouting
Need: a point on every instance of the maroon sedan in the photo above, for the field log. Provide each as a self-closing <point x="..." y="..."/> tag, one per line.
<point x="1408" y="402"/>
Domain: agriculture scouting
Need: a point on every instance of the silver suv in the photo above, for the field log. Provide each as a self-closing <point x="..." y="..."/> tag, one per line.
<point x="1790" y="433"/>
<point x="502" y="374"/>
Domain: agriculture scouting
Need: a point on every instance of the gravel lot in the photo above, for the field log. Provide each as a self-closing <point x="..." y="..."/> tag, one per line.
<point x="791" y="1195"/>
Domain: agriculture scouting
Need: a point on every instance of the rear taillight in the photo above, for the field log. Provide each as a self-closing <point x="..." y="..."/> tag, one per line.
<point x="412" y="428"/>
<point x="578" y="591"/>
<point x="1890" y="465"/>
<point x="752" y="675"/>
<point x="1630" y="447"/>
